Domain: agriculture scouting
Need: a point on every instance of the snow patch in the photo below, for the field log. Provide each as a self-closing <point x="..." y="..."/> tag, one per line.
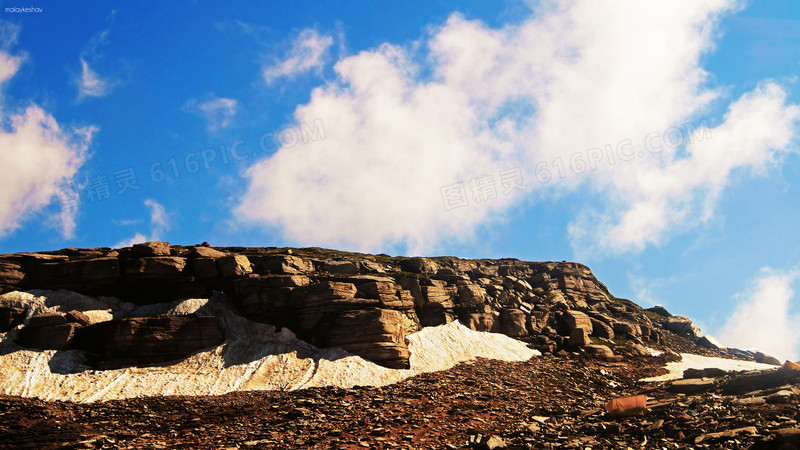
<point x="691" y="361"/>
<point x="253" y="357"/>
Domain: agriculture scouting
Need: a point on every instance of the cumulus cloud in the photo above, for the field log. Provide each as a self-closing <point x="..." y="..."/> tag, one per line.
<point x="763" y="318"/>
<point x="159" y="224"/>
<point x="568" y="96"/>
<point x="306" y="54"/>
<point x="218" y="112"/>
<point x="38" y="156"/>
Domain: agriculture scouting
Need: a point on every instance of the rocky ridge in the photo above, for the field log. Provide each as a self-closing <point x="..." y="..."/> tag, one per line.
<point x="364" y="304"/>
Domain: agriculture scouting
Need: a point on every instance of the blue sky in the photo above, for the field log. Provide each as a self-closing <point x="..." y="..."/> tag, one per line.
<point x="533" y="130"/>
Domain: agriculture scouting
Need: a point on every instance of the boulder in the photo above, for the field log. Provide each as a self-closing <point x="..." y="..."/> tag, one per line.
<point x="205" y="267"/>
<point x="206" y="252"/>
<point x="660" y="310"/>
<point x="625" y="329"/>
<point x="600" y="351"/>
<point x="601" y="329"/>
<point x="340" y="267"/>
<point x="323" y="293"/>
<point x="709" y="372"/>
<point x="374" y="334"/>
<point x="760" y="380"/>
<point x="50" y="337"/>
<point x="155" y="248"/>
<point x="77" y="317"/>
<point x="682" y="325"/>
<point x="471" y="296"/>
<point x="157" y="267"/>
<point x="577" y="319"/>
<point x="46" y="320"/>
<point x="285" y="264"/>
<point x="692" y="385"/>
<point x="579" y="337"/>
<point x="767" y="359"/>
<point x="708" y="341"/>
<point x="78" y="274"/>
<point x="438" y="294"/>
<point x="147" y="340"/>
<point x="11" y="273"/>
<point x="419" y="265"/>
<point x="479" y="321"/>
<point x="234" y="266"/>
<point x="513" y="323"/>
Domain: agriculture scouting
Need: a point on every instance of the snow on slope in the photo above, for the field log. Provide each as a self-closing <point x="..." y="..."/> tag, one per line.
<point x="690" y="361"/>
<point x="253" y="357"/>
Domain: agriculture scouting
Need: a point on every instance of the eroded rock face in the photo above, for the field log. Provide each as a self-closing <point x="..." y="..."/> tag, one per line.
<point x="147" y="340"/>
<point x="363" y="303"/>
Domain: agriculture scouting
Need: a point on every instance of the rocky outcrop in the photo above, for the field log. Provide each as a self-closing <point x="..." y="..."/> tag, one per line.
<point x="147" y="340"/>
<point x="363" y="303"/>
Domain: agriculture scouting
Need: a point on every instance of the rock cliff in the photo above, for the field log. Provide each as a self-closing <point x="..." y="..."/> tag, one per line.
<point x="364" y="304"/>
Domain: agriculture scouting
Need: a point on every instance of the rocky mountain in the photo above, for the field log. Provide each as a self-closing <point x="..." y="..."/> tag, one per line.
<point x="365" y="304"/>
<point x="159" y="346"/>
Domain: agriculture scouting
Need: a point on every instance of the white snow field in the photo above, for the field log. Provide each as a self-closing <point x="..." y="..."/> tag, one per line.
<point x="253" y="357"/>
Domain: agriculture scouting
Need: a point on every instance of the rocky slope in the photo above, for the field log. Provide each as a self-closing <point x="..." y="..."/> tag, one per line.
<point x="365" y="304"/>
<point x="373" y="342"/>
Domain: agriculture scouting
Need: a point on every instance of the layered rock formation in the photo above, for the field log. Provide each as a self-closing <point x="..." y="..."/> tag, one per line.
<point x="365" y="304"/>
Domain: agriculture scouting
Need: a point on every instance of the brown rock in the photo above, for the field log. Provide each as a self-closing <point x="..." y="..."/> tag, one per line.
<point x="767" y="359"/>
<point x="579" y="337"/>
<point x="155" y="267"/>
<point x="692" y="385"/>
<point x="46" y="320"/>
<point x="601" y="329"/>
<point x="323" y="293"/>
<point x="147" y="340"/>
<point x="206" y="252"/>
<point x="285" y="264"/>
<point x="577" y="319"/>
<point x="419" y="265"/>
<point x="341" y="267"/>
<point x="471" y="296"/>
<point x="155" y="248"/>
<point x="75" y="274"/>
<point x="479" y="321"/>
<point x="11" y="273"/>
<point x="50" y="337"/>
<point x="513" y="322"/>
<point x="374" y="334"/>
<point x="204" y="267"/>
<point x="600" y="351"/>
<point x="78" y="317"/>
<point x="234" y="266"/>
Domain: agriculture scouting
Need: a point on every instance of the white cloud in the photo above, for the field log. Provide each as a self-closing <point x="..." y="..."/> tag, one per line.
<point x="763" y="319"/>
<point x="307" y="54"/>
<point x="90" y="83"/>
<point x="217" y="111"/>
<point x="159" y="224"/>
<point x="569" y="78"/>
<point x="37" y="157"/>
